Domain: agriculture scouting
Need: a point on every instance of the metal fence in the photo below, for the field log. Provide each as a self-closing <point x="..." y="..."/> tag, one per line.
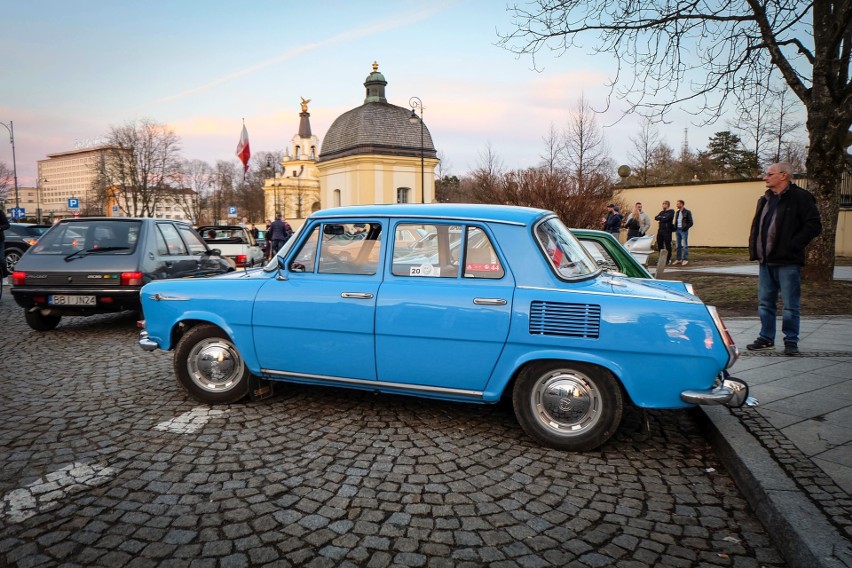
<point x="845" y="187"/>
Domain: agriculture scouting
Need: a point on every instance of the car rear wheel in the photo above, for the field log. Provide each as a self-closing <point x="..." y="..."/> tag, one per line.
<point x="40" y="322"/>
<point x="568" y="406"/>
<point x="209" y="366"/>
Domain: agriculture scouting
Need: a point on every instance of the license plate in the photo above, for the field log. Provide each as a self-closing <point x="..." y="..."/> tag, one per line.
<point x="71" y="300"/>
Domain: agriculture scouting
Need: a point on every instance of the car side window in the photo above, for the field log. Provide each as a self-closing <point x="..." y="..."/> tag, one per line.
<point x="434" y="255"/>
<point x="171" y="237"/>
<point x="193" y="241"/>
<point x="350" y="248"/>
<point x="480" y="258"/>
<point x="304" y="259"/>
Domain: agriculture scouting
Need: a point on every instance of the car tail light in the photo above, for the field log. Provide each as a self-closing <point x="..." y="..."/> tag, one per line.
<point x="19" y="278"/>
<point x="31" y="241"/>
<point x="131" y="278"/>
<point x="241" y="259"/>
<point x="733" y="352"/>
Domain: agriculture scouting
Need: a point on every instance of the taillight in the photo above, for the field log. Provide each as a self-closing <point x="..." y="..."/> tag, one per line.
<point x="733" y="352"/>
<point x="131" y="278"/>
<point x="241" y="259"/>
<point x="18" y="278"/>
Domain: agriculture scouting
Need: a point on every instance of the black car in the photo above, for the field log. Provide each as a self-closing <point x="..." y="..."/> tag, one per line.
<point x="20" y="237"/>
<point x="96" y="265"/>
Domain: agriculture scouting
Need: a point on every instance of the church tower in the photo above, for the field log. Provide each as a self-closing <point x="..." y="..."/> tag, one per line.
<point x="294" y="188"/>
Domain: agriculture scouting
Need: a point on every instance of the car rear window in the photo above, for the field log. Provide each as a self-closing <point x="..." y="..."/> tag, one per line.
<point x="113" y="237"/>
<point x="564" y="253"/>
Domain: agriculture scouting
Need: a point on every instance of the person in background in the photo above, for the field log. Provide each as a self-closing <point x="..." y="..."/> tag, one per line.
<point x="682" y="224"/>
<point x="4" y="269"/>
<point x="642" y="222"/>
<point x="664" y="232"/>
<point x="612" y="224"/>
<point x="277" y="234"/>
<point x="632" y="224"/>
<point x="785" y="221"/>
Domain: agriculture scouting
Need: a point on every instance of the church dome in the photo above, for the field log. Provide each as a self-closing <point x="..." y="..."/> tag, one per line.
<point x="376" y="127"/>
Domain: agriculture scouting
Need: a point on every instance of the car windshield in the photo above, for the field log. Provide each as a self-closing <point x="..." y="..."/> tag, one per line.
<point x="117" y="237"/>
<point x="565" y="254"/>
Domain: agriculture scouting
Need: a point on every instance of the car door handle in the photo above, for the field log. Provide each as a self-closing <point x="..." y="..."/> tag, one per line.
<point x="489" y="301"/>
<point x="356" y="295"/>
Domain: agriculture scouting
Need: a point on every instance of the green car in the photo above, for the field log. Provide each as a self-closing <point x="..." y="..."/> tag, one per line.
<point x="612" y="256"/>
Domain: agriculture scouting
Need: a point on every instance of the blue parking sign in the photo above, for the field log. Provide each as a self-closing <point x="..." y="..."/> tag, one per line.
<point x="73" y="203"/>
<point x="232" y="210"/>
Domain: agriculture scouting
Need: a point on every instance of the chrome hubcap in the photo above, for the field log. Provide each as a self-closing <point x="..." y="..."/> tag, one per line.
<point x="214" y="365"/>
<point x="567" y="402"/>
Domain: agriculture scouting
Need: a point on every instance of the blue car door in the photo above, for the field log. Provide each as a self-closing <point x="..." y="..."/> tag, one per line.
<point x="319" y="321"/>
<point x="442" y="320"/>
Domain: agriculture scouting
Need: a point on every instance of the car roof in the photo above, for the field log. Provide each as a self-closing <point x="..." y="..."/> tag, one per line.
<point x="143" y="219"/>
<point x="465" y="211"/>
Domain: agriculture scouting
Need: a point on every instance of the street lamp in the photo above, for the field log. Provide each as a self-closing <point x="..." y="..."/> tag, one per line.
<point x="270" y="168"/>
<point x="415" y="103"/>
<point x="11" y="128"/>
<point x="38" y="199"/>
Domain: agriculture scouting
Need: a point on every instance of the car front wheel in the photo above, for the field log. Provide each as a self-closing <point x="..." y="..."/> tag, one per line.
<point x="13" y="255"/>
<point x="568" y="406"/>
<point x="40" y="322"/>
<point x="209" y="366"/>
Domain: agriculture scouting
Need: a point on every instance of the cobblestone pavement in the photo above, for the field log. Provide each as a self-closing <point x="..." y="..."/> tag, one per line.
<point x="107" y="462"/>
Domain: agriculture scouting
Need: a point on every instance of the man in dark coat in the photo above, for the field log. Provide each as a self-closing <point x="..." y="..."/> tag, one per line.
<point x="664" y="232"/>
<point x="4" y="272"/>
<point x="786" y="220"/>
<point x="682" y="224"/>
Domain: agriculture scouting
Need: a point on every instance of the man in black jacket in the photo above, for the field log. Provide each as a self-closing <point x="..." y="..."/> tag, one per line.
<point x="664" y="232"/>
<point x="682" y="224"/>
<point x="786" y="220"/>
<point x="4" y="272"/>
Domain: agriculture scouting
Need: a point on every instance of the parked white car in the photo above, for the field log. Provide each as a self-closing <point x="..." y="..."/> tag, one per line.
<point x="235" y="243"/>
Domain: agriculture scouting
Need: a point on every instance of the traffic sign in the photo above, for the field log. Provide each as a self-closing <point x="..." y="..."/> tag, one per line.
<point x="232" y="210"/>
<point x="18" y="212"/>
<point x="73" y="203"/>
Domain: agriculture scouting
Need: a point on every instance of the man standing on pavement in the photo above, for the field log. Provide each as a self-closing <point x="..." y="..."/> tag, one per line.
<point x="612" y="223"/>
<point x="664" y="232"/>
<point x="786" y="220"/>
<point x="277" y="233"/>
<point x="4" y="272"/>
<point x="682" y="224"/>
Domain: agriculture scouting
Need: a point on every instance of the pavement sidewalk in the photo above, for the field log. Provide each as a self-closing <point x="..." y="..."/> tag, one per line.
<point x="792" y="454"/>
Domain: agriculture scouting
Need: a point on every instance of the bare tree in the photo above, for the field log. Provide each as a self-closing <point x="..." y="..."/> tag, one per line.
<point x="645" y="145"/>
<point x="584" y="153"/>
<point x="196" y="177"/>
<point x="552" y="149"/>
<point x="5" y="181"/>
<point x="485" y="187"/>
<point x="704" y="53"/>
<point x="142" y="159"/>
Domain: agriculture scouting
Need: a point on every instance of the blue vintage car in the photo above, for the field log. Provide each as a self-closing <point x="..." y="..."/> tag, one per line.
<point x="503" y="302"/>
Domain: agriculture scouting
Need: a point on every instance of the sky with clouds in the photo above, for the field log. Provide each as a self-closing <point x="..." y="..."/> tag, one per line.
<point x="71" y="69"/>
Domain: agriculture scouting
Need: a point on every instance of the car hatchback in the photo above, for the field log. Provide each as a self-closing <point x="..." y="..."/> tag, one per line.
<point x="98" y="265"/>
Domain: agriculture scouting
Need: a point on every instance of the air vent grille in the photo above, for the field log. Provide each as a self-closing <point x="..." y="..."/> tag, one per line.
<point x="568" y="320"/>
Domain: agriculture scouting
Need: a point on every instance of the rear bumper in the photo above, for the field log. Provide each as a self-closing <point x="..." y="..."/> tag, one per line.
<point x="108" y="300"/>
<point x="727" y="390"/>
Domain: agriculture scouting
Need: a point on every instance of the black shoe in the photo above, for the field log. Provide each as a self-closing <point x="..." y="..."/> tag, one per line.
<point x="791" y="349"/>
<point x="760" y="344"/>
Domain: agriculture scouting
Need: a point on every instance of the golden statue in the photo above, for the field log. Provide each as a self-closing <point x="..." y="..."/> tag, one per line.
<point x="305" y="104"/>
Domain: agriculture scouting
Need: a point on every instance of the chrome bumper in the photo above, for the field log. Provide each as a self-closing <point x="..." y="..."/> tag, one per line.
<point x="145" y="343"/>
<point x="727" y="390"/>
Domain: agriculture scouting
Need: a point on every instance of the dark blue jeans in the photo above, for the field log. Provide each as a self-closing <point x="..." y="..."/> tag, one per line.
<point x="682" y="245"/>
<point x="788" y="280"/>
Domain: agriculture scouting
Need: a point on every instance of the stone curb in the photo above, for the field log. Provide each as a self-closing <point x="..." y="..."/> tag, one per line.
<point x="798" y="528"/>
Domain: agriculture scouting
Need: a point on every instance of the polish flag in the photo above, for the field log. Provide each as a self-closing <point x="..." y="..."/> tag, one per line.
<point x="243" y="152"/>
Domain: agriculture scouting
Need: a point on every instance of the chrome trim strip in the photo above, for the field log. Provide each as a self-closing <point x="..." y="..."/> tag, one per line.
<point x="682" y="300"/>
<point x="489" y="301"/>
<point x="417" y="216"/>
<point x="378" y="384"/>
